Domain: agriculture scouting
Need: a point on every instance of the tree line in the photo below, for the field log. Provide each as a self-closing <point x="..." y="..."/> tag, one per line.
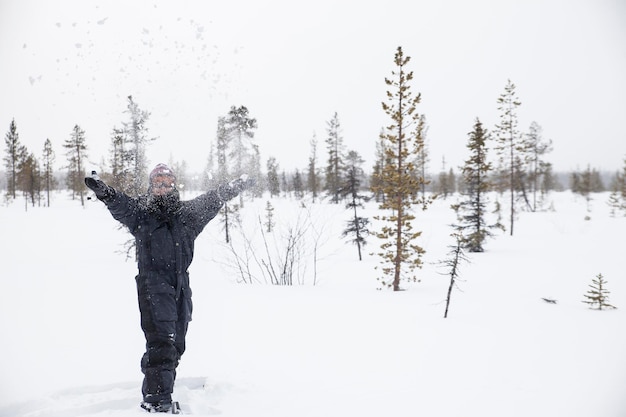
<point x="398" y="182"/>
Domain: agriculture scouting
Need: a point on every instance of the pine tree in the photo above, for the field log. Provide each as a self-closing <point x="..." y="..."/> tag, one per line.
<point x="421" y="162"/>
<point x="240" y="128"/>
<point x="456" y="256"/>
<point x="76" y="154"/>
<point x="509" y="145"/>
<point x="29" y="179"/>
<point x="136" y="135"/>
<point x="48" y="179"/>
<point x="298" y="187"/>
<point x="539" y="168"/>
<point x="15" y="152"/>
<point x="471" y="211"/>
<point x="121" y="161"/>
<point x="598" y="295"/>
<point x="357" y="226"/>
<point x="313" y="180"/>
<point x="269" y="217"/>
<point x="376" y="182"/>
<point x="400" y="179"/>
<point x="273" y="184"/>
<point x="334" y="166"/>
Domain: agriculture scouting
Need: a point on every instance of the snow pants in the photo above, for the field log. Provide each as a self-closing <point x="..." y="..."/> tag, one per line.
<point x="164" y="321"/>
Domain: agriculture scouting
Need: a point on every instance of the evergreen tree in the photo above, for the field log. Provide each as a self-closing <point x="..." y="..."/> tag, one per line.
<point x="376" y="183"/>
<point x="598" y="295"/>
<point x="15" y="153"/>
<point x="313" y="180"/>
<point x="421" y="162"/>
<point x="223" y="140"/>
<point x="334" y="166"/>
<point x="298" y="187"/>
<point x="357" y="226"/>
<point x="471" y="211"/>
<point x="240" y="127"/>
<point x="49" y="182"/>
<point x="456" y="256"/>
<point x="136" y="135"/>
<point x="29" y="179"/>
<point x="273" y="184"/>
<point x="121" y="159"/>
<point x="76" y="153"/>
<point x="269" y="217"/>
<point x="509" y="145"/>
<point x="400" y="179"/>
<point x="443" y="184"/>
<point x="538" y="167"/>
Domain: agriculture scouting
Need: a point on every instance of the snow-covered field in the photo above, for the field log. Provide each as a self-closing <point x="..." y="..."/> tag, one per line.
<point x="71" y="339"/>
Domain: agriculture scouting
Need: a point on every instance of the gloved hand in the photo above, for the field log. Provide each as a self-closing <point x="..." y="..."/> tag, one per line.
<point x="233" y="188"/>
<point x="103" y="192"/>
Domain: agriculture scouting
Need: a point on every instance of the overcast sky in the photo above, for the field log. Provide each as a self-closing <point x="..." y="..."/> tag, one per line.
<point x="294" y="64"/>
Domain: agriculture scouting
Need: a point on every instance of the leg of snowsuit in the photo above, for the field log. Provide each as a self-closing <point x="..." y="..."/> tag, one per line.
<point x="165" y="341"/>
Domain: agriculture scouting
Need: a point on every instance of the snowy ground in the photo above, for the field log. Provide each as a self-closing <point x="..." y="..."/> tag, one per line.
<point x="341" y="347"/>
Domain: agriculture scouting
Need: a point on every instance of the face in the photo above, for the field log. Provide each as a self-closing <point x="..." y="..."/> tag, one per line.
<point x="162" y="185"/>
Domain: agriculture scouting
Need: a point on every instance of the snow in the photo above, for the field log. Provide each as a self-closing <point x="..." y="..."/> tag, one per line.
<point x="342" y="347"/>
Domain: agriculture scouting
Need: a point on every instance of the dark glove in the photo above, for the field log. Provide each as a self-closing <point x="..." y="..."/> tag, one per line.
<point x="103" y="192"/>
<point x="233" y="188"/>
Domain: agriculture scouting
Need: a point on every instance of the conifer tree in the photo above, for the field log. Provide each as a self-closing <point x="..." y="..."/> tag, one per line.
<point x="15" y="153"/>
<point x="313" y="180"/>
<point x="357" y="226"/>
<point x="335" y="164"/>
<point x="29" y="179"/>
<point x="376" y="182"/>
<point x="136" y="135"/>
<point x="273" y="184"/>
<point x="240" y="128"/>
<point x="48" y="157"/>
<point x="509" y="145"/>
<point x="456" y="256"/>
<point x="222" y="142"/>
<point x="421" y="162"/>
<point x="598" y="295"/>
<point x="400" y="179"/>
<point x="76" y="153"/>
<point x="121" y="161"/>
<point x="538" y="167"/>
<point x="298" y="187"/>
<point x="471" y="210"/>
<point x="269" y="217"/>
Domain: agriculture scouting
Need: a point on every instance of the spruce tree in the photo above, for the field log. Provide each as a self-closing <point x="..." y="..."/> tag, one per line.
<point x="240" y="128"/>
<point x="335" y="164"/>
<point x="376" y="183"/>
<point x="313" y="180"/>
<point x="357" y="226"/>
<point x="136" y="136"/>
<point x="15" y="153"/>
<point x="273" y="184"/>
<point x="538" y="147"/>
<point x="510" y="146"/>
<point x="598" y="296"/>
<point x="49" y="182"/>
<point x="400" y="179"/>
<point x="471" y="210"/>
<point x="76" y="153"/>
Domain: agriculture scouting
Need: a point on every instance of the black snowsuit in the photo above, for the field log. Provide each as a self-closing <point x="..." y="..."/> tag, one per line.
<point x="164" y="237"/>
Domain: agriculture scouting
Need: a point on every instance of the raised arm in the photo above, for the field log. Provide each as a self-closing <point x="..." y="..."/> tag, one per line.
<point x="202" y="209"/>
<point x="123" y="208"/>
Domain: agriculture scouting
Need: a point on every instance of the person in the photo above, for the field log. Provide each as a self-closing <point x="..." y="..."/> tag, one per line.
<point x="164" y="228"/>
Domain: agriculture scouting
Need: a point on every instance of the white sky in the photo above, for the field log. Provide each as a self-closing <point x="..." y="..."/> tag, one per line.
<point x="294" y="65"/>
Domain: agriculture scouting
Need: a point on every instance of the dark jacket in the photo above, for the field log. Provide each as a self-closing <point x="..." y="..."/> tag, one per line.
<point x="165" y="242"/>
